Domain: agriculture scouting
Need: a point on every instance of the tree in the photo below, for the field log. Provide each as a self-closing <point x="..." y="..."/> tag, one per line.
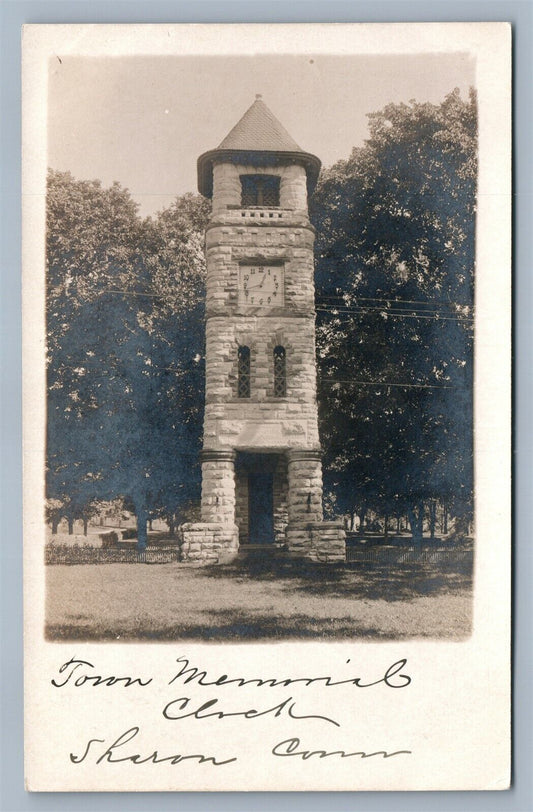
<point x="91" y="233"/>
<point x="174" y="246"/>
<point x="395" y="262"/>
<point x="125" y="348"/>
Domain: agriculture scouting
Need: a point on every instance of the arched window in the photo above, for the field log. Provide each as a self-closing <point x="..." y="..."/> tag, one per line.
<point x="280" y="373"/>
<point x="243" y="372"/>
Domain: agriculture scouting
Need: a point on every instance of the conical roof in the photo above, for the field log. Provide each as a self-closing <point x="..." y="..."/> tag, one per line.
<point x="258" y="139"/>
<point x="259" y="129"/>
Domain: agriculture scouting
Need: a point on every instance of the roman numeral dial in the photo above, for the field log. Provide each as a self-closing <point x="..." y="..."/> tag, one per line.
<point x="262" y="285"/>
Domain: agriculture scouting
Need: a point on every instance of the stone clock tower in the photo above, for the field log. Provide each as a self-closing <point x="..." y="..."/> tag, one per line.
<point x="261" y="461"/>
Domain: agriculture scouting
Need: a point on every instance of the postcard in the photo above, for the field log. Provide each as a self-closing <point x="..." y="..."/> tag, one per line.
<point x="267" y="309"/>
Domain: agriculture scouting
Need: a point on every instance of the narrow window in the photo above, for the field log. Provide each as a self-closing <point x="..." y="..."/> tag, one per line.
<point x="260" y="190"/>
<point x="243" y="372"/>
<point x="280" y="374"/>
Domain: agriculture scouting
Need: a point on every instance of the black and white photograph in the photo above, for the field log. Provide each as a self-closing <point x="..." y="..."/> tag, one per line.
<point x="262" y="318"/>
<point x="260" y="354"/>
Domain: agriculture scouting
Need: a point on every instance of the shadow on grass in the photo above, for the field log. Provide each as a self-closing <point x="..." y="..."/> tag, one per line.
<point x="363" y="581"/>
<point x="289" y="583"/>
<point x="238" y="626"/>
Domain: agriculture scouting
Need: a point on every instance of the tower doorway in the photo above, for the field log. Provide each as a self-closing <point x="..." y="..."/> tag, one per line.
<point x="261" y="508"/>
<point x="257" y="497"/>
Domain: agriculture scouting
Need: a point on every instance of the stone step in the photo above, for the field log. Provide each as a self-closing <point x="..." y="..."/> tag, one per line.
<point x="259" y="549"/>
<point x="246" y="548"/>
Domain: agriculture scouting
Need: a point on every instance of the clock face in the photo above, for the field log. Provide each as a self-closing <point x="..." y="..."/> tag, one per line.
<point x="262" y="285"/>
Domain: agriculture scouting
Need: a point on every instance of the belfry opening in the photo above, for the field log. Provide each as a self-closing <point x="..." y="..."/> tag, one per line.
<point x="261" y="458"/>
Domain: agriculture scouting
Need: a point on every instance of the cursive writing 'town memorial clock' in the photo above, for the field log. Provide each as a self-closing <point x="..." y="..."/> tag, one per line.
<point x="262" y="285"/>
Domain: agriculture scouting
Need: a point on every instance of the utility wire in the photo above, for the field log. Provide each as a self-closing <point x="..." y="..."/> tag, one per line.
<point x="319" y="298"/>
<point x="381" y="384"/>
<point x="388" y="309"/>
<point x="393" y="308"/>
<point x="403" y="301"/>
<point x="134" y="293"/>
<point x="331" y="381"/>
<point x="338" y="311"/>
<point x="334" y="309"/>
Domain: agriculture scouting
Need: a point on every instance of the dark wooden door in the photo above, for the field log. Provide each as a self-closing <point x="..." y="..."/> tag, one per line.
<point x="260" y="508"/>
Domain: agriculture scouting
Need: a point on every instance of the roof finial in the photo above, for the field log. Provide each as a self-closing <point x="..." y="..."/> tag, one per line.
<point x="258" y="96"/>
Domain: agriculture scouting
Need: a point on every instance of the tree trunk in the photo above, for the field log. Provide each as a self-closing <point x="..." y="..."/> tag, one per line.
<point x="70" y="525"/>
<point x="398" y="526"/>
<point x="386" y="531"/>
<point x="150" y="524"/>
<point x="416" y="519"/>
<point x="421" y="520"/>
<point x="55" y="524"/>
<point x="142" y="535"/>
<point x="172" y="527"/>
<point x="85" y="524"/>
<point x="362" y="515"/>
<point x="444" y="519"/>
<point x="432" y="517"/>
<point x="461" y="526"/>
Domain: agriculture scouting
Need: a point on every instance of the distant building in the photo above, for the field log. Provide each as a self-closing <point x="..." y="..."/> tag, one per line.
<point x="261" y="459"/>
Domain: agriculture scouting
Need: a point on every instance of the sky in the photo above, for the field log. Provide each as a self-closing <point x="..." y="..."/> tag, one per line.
<point x="144" y="120"/>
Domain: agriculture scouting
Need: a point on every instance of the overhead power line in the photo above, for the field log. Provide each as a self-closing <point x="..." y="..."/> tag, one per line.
<point x="383" y="384"/>
<point x="340" y="309"/>
<point x="123" y="375"/>
<point x="329" y="301"/>
<point x="134" y="293"/>
<point x="431" y="302"/>
<point x="334" y="309"/>
<point x="346" y="311"/>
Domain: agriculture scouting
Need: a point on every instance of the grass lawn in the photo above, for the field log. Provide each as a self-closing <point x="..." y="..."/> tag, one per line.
<point x="256" y="600"/>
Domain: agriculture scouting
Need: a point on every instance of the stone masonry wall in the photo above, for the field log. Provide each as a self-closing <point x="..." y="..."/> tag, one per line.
<point x="233" y="241"/>
<point x="280" y="496"/>
<point x="281" y="236"/>
<point x="241" y="506"/>
<point x="227" y="184"/>
<point x="262" y="420"/>
<point x="305" y="487"/>
<point x="208" y="543"/>
<point x="218" y="488"/>
<point x="323" y="542"/>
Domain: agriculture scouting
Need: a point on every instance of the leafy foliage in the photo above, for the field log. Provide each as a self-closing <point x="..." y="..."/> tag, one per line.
<point x="395" y="278"/>
<point x="125" y="349"/>
<point x="395" y="274"/>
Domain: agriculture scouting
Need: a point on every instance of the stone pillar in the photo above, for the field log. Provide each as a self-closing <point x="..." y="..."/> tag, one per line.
<point x="241" y="505"/>
<point x="226" y="187"/>
<point x="215" y="538"/>
<point x="218" y="487"/>
<point x="280" y="493"/>
<point x="307" y="535"/>
<point x="293" y="191"/>
<point x="305" y="485"/>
